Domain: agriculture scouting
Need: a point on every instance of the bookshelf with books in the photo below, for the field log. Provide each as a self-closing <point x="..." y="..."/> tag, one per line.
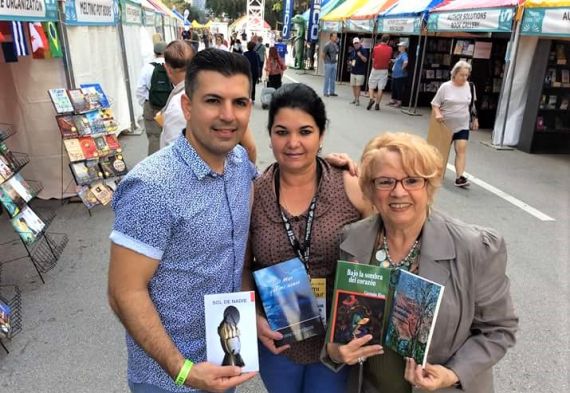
<point x="89" y="138"/>
<point x="30" y="224"/>
<point x="546" y="125"/>
<point x="486" y="56"/>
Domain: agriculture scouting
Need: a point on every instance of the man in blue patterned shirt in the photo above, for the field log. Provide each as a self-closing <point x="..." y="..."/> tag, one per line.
<point x="180" y="232"/>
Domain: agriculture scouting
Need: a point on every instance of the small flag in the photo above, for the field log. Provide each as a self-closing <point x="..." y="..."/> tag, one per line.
<point x="53" y="39"/>
<point x="20" y="39"/>
<point x="40" y="45"/>
<point x="7" y="43"/>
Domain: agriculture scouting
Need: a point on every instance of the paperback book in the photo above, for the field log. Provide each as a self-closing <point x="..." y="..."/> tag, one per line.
<point x="19" y="186"/>
<point x="359" y="302"/>
<point x="5" y="314"/>
<point x="11" y="200"/>
<point x="92" y="97"/>
<point x="82" y="125"/>
<point x="113" y="142"/>
<point x="67" y="127"/>
<point x="5" y="169"/>
<point x="95" y="122"/>
<point x="102" y="193"/>
<point x="288" y="300"/>
<point x="60" y="101"/>
<point x="77" y="98"/>
<point x="415" y="305"/>
<point x="85" y="172"/>
<point x="231" y="330"/>
<point x="74" y="150"/>
<point x="101" y="145"/>
<point x="28" y="225"/>
<point x="88" y="147"/>
<point x="87" y="196"/>
<point x="113" y="166"/>
<point x="8" y="155"/>
<point x="95" y="88"/>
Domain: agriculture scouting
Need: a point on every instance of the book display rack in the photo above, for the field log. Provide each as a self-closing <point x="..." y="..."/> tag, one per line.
<point x="10" y="313"/>
<point x="29" y="223"/>
<point x="546" y="122"/>
<point x="89" y="137"/>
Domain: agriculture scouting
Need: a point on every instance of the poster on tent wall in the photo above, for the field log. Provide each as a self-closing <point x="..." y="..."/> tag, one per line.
<point x="29" y="10"/>
<point x="287" y="15"/>
<point x="92" y="12"/>
<point x="484" y="20"/>
<point x="546" y="22"/>
<point x="404" y="26"/>
<point x="314" y="16"/>
<point x="132" y="13"/>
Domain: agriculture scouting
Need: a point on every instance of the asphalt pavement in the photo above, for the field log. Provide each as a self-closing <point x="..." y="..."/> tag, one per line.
<point x="71" y="342"/>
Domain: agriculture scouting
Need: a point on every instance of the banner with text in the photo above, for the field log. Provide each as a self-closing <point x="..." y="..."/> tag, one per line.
<point x="546" y="21"/>
<point x="314" y="15"/>
<point x="28" y="10"/>
<point x="331" y="26"/>
<point x="287" y="15"/>
<point x="148" y="17"/>
<point x="132" y="13"/>
<point x="400" y="25"/>
<point x="484" y="20"/>
<point x="360" y="26"/>
<point x="91" y="12"/>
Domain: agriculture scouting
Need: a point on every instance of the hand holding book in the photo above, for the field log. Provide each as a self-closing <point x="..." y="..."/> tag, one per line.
<point x="431" y="377"/>
<point x="268" y="336"/>
<point x="354" y="351"/>
<point x="212" y="378"/>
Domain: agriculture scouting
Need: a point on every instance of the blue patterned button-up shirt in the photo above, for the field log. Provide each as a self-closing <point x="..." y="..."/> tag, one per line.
<point x="172" y="207"/>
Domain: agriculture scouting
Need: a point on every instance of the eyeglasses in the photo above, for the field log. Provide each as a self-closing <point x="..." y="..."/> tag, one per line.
<point x="409" y="183"/>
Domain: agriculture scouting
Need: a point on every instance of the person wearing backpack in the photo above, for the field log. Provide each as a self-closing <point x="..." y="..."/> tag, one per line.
<point x="153" y="89"/>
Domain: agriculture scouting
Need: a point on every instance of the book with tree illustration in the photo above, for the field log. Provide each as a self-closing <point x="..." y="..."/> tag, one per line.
<point x="397" y="307"/>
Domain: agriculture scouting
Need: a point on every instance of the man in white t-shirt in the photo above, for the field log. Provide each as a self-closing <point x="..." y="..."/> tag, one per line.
<point x="176" y="58"/>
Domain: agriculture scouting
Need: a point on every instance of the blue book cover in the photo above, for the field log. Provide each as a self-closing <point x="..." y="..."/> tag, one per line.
<point x="288" y="300"/>
<point x="412" y="320"/>
<point x="96" y="87"/>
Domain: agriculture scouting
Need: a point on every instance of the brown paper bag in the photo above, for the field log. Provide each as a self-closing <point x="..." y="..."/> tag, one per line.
<point x="440" y="137"/>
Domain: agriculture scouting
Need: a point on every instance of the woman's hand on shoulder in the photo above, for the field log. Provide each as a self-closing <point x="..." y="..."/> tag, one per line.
<point x="431" y="377"/>
<point x="268" y="336"/>
<point x="354" y="351"/>
<point x="342" y="160"/>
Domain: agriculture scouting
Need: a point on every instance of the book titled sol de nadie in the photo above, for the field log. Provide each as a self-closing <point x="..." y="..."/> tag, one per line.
<point x="231" y="330"/>
<point x="397" y="307"/>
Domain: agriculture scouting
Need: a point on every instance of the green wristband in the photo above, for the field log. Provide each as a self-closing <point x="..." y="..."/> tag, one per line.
<point x="184" y="371"/>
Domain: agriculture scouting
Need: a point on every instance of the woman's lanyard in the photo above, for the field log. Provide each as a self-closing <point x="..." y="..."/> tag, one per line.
<point x="302" y="250"/>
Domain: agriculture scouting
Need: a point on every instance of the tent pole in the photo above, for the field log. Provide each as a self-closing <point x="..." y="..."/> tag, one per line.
<point x="127" y="75"/>
<point x="511" y="74"/>
<point x="67" y="65"/>
<point x="417" y="75"/>
<point x="339" y="76"/>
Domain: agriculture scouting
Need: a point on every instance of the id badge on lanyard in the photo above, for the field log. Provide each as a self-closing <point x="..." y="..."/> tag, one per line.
<point x="319" y="286"/>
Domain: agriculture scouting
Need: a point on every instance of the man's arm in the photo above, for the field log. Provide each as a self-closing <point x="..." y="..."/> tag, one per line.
<point x="248" y="143"/>
<point x="129" y="275"/>
<point x="143" y="84"/>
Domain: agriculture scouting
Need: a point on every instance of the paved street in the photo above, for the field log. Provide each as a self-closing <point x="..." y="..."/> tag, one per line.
<point x="71" y="342"/>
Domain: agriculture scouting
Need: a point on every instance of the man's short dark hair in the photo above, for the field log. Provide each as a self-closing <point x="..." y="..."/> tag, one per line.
<point x="331" y="35"/>
<point x="385" y="38"/>
<point x="217" y="60"/>
<point x="250" y="45"/>
<point x="177" y="54"/>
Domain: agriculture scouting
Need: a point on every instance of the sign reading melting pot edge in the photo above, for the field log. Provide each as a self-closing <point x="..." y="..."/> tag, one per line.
<point x="399" y="25"/>
<point x="546" y="21"/>
<point x="484" y="20"/>
<point x="28" y="10"/>
<point x="91" y="12"/>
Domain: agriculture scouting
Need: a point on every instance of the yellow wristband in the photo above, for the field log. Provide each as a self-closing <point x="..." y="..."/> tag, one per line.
<point x="183" y="374"/>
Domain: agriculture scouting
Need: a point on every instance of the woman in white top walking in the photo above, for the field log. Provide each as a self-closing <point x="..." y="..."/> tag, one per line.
<point x="453" y="105"/>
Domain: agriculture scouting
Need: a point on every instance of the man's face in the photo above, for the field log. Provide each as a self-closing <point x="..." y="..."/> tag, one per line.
<point x="334" y="37"/>
<point x="217" y="114"/>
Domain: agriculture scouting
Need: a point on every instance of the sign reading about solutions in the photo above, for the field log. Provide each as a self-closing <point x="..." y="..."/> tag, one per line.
<point x="32" y="10"/>
<point x="490" y="20"/>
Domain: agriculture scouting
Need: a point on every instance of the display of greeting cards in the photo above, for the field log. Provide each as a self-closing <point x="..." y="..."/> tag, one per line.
<point x="95" y="88"/>
<point x="66" y="124"/>
<point x="60" y="101"/>
<point x="74" y="150"/>
<point x="28" y="225"/>
<point x="78" y="100"/>
<point x="101" y="192"/>
<point x="85" y="172"/>
<point x="87" y="197"/>
<point x="89" y="148"/>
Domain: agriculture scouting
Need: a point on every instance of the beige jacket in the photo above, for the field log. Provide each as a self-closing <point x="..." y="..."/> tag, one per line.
<point x="476" y="323"/>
